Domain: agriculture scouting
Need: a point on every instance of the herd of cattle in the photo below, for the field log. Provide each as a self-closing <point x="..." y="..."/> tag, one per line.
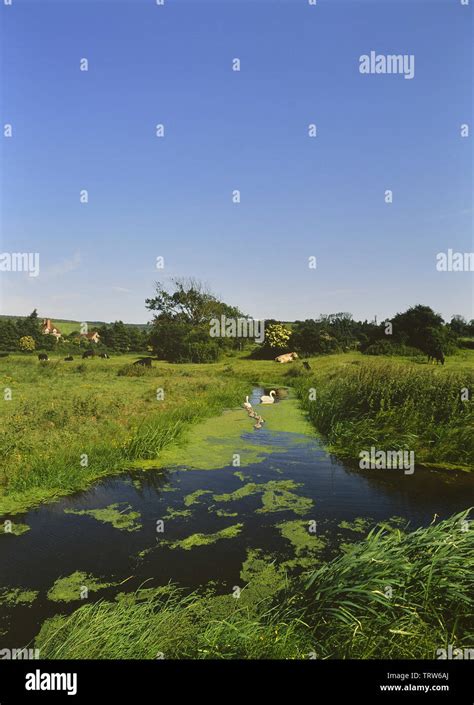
<point x="433" y="355"/>
<point x="144" y="361"/>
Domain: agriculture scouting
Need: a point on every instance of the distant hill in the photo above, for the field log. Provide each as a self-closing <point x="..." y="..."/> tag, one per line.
<point x="67" y="326"/>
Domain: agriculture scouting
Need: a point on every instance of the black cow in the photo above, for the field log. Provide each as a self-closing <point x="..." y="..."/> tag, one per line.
<point x="104" y="356"/>
<point x="42" y="357"/>
<point x="145" y="361"/>
<point x="436" y="355"/>
<point x="69" y="358"/>
<point x="88" y="353"/>
<point x="306" y="365"/>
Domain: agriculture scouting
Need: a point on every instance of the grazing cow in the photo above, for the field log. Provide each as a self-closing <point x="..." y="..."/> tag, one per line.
<point x="88" y="353"/>
<point x="145" y="361"/>
<point x="104" y="356"/>
<point x="306" y="365"/>
<point x="42" y="357"/>
<point x="288" y="357"/>
<point x="69" y="358"/>
<point x="436" y="354"/>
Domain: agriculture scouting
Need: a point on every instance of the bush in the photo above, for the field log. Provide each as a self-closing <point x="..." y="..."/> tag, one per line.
<point x="387" y="347"/>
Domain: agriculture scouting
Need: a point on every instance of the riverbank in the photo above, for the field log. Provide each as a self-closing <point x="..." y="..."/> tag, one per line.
<point x="69" y="424"/>
<point x="392" y="595"/>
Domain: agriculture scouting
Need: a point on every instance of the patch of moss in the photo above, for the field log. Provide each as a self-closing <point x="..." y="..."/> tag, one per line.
<point x="120" y="518"/>
<point x="193" y="498"/>
<point x="69" y="588"/>
<point x="15" y="596"/>
<point x="194" y="540"/>
<point x="9" y="527"/>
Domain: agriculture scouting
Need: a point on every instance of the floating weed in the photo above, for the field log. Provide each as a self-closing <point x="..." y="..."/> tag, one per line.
<point x="75" y="586"/>
<point x="16" y="596"/>
<point x="13" y="529"/>
<point x="194" y="540"/>
<point x="177" y="513"/>
<point x="118" y="515"/>
<point x="193" y="498"/>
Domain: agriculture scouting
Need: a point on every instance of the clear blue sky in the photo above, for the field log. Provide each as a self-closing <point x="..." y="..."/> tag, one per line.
<point x="225" y="130"/>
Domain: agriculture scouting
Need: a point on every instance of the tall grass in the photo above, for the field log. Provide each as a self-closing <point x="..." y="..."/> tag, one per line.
<point x="60" y="414"/>
<point x="397" y="595"/>
<point x="343" y="612"/>
<point x="394" y="406"/>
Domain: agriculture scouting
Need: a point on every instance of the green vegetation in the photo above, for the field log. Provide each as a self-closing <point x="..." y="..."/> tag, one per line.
<point x="61" y="412"/>
<point x="118" y="515"/>
<point x="75" y="587"/>
<point x="16" y="596"/>
<point x="346" y="611"/>
<point x="392" y="405"/>
<point x="306" y="545"/>
<point x="193" y="498"/>
<point x="13" y="529"/>
<point x="66" y="425"/>
<point x="276" y="496"/>
<point x="205" y="539"/>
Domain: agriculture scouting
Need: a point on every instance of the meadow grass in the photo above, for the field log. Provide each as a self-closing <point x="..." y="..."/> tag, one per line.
<point x="62" y="412"/>
<point x="108" y="410"/>
<point x="394" y="595"/>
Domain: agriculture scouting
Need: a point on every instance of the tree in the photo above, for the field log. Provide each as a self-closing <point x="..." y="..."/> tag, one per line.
<point x="26" y="343"/>
<point x="277" y="336"/>
<point x="412" y="326"/>
<point x="8" y="335"/>
<point x="181" y="325"/>
<point x="30" y="326"/>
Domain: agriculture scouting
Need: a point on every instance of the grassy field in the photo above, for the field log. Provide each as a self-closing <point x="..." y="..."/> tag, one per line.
<point x="68" y="424"/>
<point x="394" y="595"/>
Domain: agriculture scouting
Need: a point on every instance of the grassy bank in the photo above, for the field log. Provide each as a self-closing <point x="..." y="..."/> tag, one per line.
<point x="393" y="405"/>
<point x="391" y="596"/>
<point x="68" y="424"/>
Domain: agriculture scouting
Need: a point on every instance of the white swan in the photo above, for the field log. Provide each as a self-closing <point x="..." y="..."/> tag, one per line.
<point x="268" y="399"/>
<point x="246" y="404"/>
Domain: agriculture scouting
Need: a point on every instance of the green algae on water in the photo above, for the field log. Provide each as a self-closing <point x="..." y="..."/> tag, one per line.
<point x="10" y="528"/>
<point x="360" y="525"/>
<point x="241" y="475"/>
<point x="225" y="513"/>
<point x="193" y="498"/>
<point x="76" y="586"/>
<point x="118" y="515"/>
<point x="15" y="596"/>
<point x="177" y="513"/>
<point x="205" y="539"/>
<point x="306" y="545"/>
<point x="276" y="496"/>
<point x="262" y="575"/>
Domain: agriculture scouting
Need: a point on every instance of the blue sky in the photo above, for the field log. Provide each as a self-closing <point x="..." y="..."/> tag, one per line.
<point x="227" y="130"/>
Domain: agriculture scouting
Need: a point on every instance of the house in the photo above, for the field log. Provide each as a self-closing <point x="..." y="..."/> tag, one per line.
<point x="91" y="337"/>
<point x="48" y="328"/>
